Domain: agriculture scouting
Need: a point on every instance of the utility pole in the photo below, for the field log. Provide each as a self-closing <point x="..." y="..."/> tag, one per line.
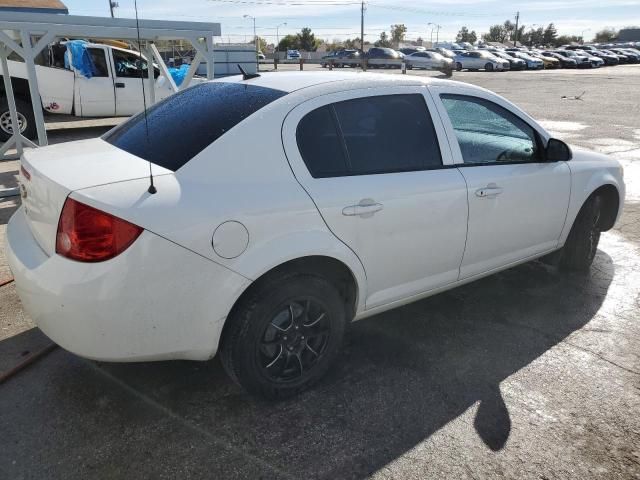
<point x="362" y="28"/>
<point x="278" y="38"/>
<point x="437" y="28"/>
<point x="515" y="34"/>
<point x="111" y="5"/>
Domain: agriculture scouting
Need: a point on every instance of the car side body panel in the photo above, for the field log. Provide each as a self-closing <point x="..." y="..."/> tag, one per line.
<point x="177" y="283"/>
<point x="590" y="171"/>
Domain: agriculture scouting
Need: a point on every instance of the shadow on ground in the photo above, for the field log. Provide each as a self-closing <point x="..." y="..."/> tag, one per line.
<point x="403" y="375"/>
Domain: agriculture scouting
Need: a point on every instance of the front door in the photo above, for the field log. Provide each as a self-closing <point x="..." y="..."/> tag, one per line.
<point x="373" y="164"/>
<point x="517" y="201"/>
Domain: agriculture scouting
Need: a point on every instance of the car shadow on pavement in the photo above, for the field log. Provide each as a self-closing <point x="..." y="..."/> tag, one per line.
<point x="402" y="376"/>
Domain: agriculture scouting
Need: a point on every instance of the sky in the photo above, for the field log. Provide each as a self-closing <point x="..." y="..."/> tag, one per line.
<point x="340" y="19"/>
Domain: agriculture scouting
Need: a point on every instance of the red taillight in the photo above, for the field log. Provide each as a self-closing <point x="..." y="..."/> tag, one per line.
<point x="25" y="174"/>
<point x="87" y="234"/>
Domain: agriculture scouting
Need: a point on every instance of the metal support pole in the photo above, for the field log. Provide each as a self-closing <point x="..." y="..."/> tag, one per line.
<point x="11" y="100"/>
<point x="210" y="58"/>
<point x="163" y="67"/>
<point x="33" y="86"/>
<point x="362" y="28"/>
<point x="150" y="75"/>
<point x="192" y="70"/>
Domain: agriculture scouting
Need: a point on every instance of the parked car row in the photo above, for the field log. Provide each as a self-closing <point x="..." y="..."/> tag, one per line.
<point x="379" y="57"/>
<point x="486" y="58"/>
<point x="520" y="58"/>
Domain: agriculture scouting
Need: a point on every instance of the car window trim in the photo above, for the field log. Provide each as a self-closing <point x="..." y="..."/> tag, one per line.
<point x="345" y="150"/>
<point x="538" y="138"/>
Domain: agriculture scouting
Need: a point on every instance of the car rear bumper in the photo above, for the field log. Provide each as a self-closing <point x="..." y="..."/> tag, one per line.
<point x="155" y="301"/>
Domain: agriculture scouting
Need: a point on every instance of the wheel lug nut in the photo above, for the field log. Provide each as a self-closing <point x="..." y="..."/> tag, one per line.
<point x="302" y="337"/>
<point x="284" y="338"/>
<point x="297" y="327"/>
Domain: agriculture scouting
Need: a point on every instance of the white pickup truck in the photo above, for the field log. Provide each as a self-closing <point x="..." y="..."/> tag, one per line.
<point x="114" y="89"/>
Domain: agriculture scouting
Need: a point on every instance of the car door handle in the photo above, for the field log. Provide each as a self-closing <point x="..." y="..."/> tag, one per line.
<point x="362" y="209"/>
<point x="490" y="191"/>
<point x="120" y="85"/>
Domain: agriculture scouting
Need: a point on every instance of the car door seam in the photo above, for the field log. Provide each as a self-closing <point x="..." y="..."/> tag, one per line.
<point x="566" y="213"/>
<point x="466" y="237"/>
<point x="284" y="150"/>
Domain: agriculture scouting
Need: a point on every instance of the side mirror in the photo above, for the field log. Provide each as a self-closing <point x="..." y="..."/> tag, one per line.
<point x="557" y="151"/>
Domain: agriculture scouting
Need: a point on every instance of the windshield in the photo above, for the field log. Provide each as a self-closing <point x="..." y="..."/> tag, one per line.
<point x="187" y="122"/>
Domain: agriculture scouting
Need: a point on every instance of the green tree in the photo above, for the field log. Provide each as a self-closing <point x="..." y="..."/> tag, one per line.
<point x="289" y="42"/>
<point x="509" y="27"/>
<point x="533" y="37"/>
<point x="565" y="40"/>
<point x="262" y="44"/>
<point x="352" y="43"/>
<point x="605" y="35"/>
<point x="497" y="33"/>
<point x="307" y="40"/>
<point x="398" y="31"/>
<point x="550" y="34"/>
<point x="383" y="41"/>
<point x="464" y="35"/>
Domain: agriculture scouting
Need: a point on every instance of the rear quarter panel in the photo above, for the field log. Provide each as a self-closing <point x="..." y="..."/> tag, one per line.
<point x="243" y="177"/>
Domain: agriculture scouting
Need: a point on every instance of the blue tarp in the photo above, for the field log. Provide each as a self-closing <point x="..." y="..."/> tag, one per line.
<point x="179" y="73"/>
<point x="80" y="58"/>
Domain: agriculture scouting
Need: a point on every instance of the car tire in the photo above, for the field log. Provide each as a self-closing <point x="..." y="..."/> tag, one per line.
<point x="582" y="243"/>
<point x="25" y="114"/>
<point x="489" y="67"/>
<point x="458" y="66"/>
<point x="264" y="348"/>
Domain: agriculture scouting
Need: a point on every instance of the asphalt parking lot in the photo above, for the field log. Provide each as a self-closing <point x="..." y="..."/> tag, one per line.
<point x="524" y="374"/>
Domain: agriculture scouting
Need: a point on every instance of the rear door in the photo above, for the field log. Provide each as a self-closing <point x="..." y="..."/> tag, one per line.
<point x="375" y="163"/>
<point x="95" y="96"/>
<point x="517" y="201"/>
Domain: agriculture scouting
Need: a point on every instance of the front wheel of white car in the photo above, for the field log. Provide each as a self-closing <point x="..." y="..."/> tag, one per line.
<point x="582" y="243"/>
<point x="284" y="335"/>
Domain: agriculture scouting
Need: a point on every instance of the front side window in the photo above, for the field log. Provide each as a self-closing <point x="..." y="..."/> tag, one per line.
<point x="128" y="65"/>
<point x="488" y="133"/>
<point x="370" y="135"/>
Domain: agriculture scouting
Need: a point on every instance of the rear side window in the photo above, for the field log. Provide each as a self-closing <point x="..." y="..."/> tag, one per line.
<point x="187" y="122"/>
<point x="371" y="135"/>
<point x="320" y="145"/>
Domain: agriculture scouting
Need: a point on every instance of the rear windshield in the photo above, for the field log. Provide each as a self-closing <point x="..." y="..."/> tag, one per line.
<point x="187" y="122"/>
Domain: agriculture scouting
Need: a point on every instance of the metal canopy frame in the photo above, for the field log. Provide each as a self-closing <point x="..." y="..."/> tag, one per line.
<point x="48" y="27"/>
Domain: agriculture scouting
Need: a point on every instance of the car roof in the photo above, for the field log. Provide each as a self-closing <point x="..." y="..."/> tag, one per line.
<point x="329" y="81"/>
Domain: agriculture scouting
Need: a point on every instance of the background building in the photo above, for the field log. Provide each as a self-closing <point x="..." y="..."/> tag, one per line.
<point x="33" y="6"/>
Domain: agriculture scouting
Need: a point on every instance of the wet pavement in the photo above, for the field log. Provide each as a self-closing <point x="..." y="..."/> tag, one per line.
<point x="524" y="374"/>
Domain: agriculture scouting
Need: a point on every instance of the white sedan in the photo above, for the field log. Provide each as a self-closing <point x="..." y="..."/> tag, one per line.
<point x="429" y="61"/>
<point x="283" y="207"/>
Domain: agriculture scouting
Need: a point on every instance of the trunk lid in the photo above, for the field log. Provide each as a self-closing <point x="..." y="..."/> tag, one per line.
<point x="48" y="175"/>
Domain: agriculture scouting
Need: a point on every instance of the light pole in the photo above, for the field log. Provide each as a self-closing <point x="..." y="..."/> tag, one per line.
<point x="278" y="37"/>
<point x="437" y="27"/>
<point x="582" y="35"/>
<point x="531" y="30"/>
<point x="255" y="38"/>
